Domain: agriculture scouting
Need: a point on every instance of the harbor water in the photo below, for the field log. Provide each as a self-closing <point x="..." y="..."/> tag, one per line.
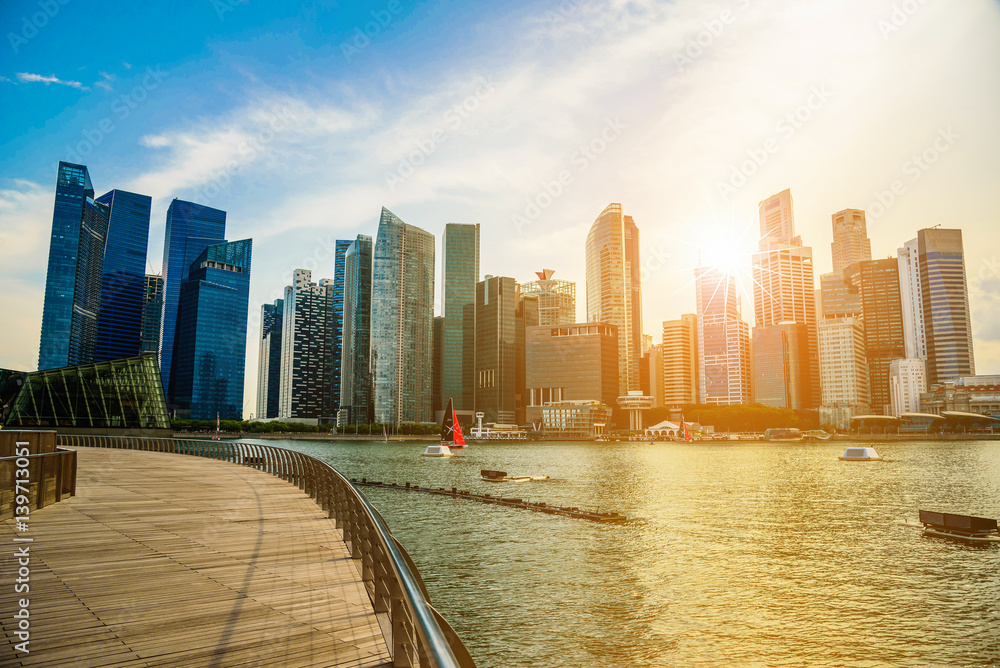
<point x="748" y="554"/>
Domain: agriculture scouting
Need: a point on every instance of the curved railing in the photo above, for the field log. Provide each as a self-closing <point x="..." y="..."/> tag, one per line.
<point x="415" y="632"/>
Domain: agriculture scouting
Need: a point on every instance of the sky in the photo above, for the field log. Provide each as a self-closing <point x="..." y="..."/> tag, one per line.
<point x="302" y="120"/>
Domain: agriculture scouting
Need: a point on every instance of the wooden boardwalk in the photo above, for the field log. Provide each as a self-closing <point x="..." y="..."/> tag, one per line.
<point x="173" y="560"/>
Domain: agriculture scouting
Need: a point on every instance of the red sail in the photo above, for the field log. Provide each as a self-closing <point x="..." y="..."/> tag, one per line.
<point x="459" y="438"/>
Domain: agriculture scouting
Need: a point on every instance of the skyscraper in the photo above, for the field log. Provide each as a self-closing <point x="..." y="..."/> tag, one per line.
<point x="945" y="303"/>
<point x="269" y="358"/>
<point x="73" y="277"/>
<point x="210" y="347"/>
<point x="306" y="383"/>
<point x="883" y="324"/>
<point x="496" y="306"/>
<point x="614" y="292"/>
<point x="681" y="361"/>
<point x="556" y="298"/>
<point x="784" y="299"/>
<point x="152" y="311"/>
<point x="191" y="228"/>
<point x="356" y="380"/>
<point x="843" y="371"/>
<point x="334" y="358"/>
<point x="123" y="276"/>
<point x="723" y="344"/>
<point x="850" y="239"/>
<point x="460" y="250"/>
<point x="402" y="322"/>
<point x="911" y="299"/>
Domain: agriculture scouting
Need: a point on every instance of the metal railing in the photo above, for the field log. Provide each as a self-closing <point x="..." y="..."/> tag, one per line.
<point x="49" y="477"/>
<point x="415" y="632"/>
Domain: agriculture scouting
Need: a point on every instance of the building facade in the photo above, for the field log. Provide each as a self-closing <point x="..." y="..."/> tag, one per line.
<point x="681" y="362"/>
<point x="843" y="371"/>
<point x="269" y="359"/>
<point x="883" y="324"/>
<point x="723" y="345"/>
<point x="907" y="381"/>
<point x="850" y="239"/>
<point x="152" y="311"/>
<point x="780" y="365"/>
<point x="305" y="388"/>
<point x="967" y="394"/>
<point x="356" y="394"/>
<point x="460" y="264"/>
<point x="945" y="299"/>
<point x="556" y="298"/>
<point x="911" y="299"/>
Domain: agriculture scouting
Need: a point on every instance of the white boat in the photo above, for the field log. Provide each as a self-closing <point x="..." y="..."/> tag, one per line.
<point x="860" y="455"/>
<point x="962" y="527"/>
<point x="451" y="435"/>
<point x="438" y="451"/>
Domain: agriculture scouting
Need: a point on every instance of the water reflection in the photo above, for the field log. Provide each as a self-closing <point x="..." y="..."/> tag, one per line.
<point x="747" y="554"/>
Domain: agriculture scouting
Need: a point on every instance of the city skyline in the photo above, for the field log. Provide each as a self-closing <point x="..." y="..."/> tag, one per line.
<point x="713" y="133"/>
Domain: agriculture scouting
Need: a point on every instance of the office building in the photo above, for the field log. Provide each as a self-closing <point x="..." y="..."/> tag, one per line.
<point x="655" y="359"/>
<point x="843" y="371"/>
<point x="152" y="311"/>
<point x="269" y="359"/>
<point x="356" y="395"/>
<point x="723" y="345"/>
<point x="305" y="389"/>
<point x="883" y="325"/>
<point x="190" y="229"/>
<point x="334" y="359"/>
<point x="784" y="304"/>
<point x="210" y="347"/>
<point x="911" y="300"/>
<point x="402" y="322"/>
<point x="556" y="298"/>
<point x="681" y="364"/>
<point x="614" y="294"/>
<point x="460" y="264"/>
<point x="907" y="381"/>
<point x="850" y="239"/>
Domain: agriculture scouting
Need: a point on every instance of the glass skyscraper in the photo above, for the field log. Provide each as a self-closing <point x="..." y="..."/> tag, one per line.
<point x="556" y="298"/>
<point x="269" y="361"/>
<point x="152" y="311"/>
<point x="402" y="322"/>
<point x="723" y="340"/>
<point x="123" y="276"/>
<point x="306" y="386"/>
<point x="945" y="305"/>
<point x="460" y="250"/>
<point x="191" y="228"/>
<point x="356" y="380"/>
<point x="335" y="354"/>
<point x="210" y="347"/>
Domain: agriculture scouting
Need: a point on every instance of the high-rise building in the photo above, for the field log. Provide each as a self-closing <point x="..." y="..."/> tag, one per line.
<point x="460" y="264"/>
<point x="850" y="239"/>
<point x="556" y="298"/>
<point x="680" y="368"/>
<point x="496" y="349"/>
<point x="911" y="298"/>
<point x="73" y="277"/>
<point x="123" y="276"/>
<point x="945" y="302"/>
<point x="152" y="311"/>
<point x="883" y="324"/>
<point x="614" y="291"/>
<point x="723" y="344"/>
<point x="356" y="368"/>
<point x="191" y="228"/>
<point x="269" y="358"/>
<point x="210" y="347"/>
<point x="656" y="375"/>
<point x="843" y="371"/>
<point x="525" y="315"/>
<point x="907" y="381"/>
<point x="402" y="322"/>
<point x="306" y="385"/>
<point x="784" y="294"/>
<point x="334" y="360"/>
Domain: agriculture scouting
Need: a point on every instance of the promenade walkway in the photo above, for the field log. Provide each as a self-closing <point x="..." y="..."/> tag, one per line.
<point x="170" y="560"/>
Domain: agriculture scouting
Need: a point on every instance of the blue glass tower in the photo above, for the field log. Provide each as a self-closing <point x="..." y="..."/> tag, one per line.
<point x="356" y="373"/>
<point x="123" y="276"/>
<point x="269" y="361"/>
<point x="73" y="278"/>
<point x="191" y="228"/>
<point x="210" y="346"/>
<point x="331" y="403"/>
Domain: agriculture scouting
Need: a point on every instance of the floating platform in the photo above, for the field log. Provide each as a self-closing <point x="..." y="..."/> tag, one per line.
<point x="501" y="476"/>
<point x="539" y="507"/>
<point x="962" y="527"/>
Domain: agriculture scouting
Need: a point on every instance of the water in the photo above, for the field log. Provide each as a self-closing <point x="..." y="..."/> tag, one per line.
<point x="746" y="554"/>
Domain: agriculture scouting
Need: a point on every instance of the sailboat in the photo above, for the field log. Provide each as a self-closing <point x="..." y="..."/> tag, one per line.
<point x="451" y="435"/>
<point x="385" y="436"/>
<point x="217" y="437"/>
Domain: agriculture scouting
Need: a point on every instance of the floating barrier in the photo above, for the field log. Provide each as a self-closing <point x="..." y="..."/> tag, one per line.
<point x="539" y="507"/>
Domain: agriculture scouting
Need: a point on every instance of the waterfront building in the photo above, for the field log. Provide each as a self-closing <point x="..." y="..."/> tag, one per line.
<point x="656" y="375"/>
<point x="574" y="362"/>
<point x="575" y="420"/>
<point x="945" y="303"/>
<point x="190" y="229"/>
<point x="883" y="325"/>
<point x="723" y="345"/>
<point x="843" y="371"/>
<point x="614" y="294"/>
<point x="907" y="381"/>
<point x="460" y="265"/>
<point x="525" y="316"/>
<point x="784" y="294"/>
<point x="73" y="276"/>
<point x="681" y="363"/>
<point x="305" y="388"/>
<point x="356" y="380"/>
<point x="210" y="347"/>
<point x="123" y="275"/>
<point x="152" y="311"/>
<point x="911" y="299"/>
<point x="269" y="359"/>
<point x="966" y="394"/>
<point x="402" y="322"/>
<point x="556" y="298"/>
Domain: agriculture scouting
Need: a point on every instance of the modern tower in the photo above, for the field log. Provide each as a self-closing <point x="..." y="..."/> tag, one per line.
<point x="402" y="322"/>
<point x="334" y="359"/>
<point x="681" y="361"/>
<point x="785" y="338"/>
<point x="73" y="276"/>
<point x="556" y="298"/>
<point x="850" y="239"/>
<point x="210" y="347"/>
<point x="123" y="276"/>
<point x="723" y="344"/>
<point x="883" y="325"/>
<point x="843" y="371"/>
<point x="945" y="303"/>
<point x="614" y="294"/>
<point x="269" y="359"/>
<point x="152" y="311"/>
<point x="496" y="307"/>
<point x="460" y="250"/>
<point x="907" y="381"/>
<point x="911" y="300"/>
<point x="306" y="384"/>
<point x="356" y="368"/>
<point x="191" y="228"/>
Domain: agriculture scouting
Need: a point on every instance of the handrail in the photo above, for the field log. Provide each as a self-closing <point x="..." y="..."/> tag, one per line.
<point x="413" y="633"/>
<point x="60" y="479"/>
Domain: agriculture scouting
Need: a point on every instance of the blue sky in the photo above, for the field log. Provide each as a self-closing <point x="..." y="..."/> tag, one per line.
<point x="527" y="118"/>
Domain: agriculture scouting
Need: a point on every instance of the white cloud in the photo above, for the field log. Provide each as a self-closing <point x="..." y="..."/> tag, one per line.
<point x="26" y="77"/>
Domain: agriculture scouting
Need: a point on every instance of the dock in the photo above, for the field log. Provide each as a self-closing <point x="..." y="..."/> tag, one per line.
<point x="170" y="560"/>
